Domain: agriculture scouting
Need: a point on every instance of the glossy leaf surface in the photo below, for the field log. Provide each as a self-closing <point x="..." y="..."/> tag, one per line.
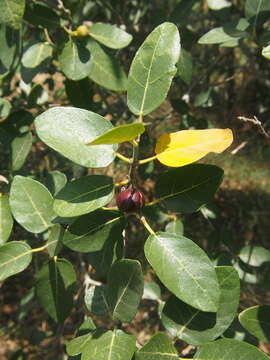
<point x="229" y="349"/>
<point x="159" y="347"/>
<point x="153" y="69"/>
<point x="68" y="130"/>
<point x="256" y="320"/>
<point x="197" y="327"/>
<point x="15" y="256"/>
<point x="181" y="264"/>
<point x="31" y="204"/>
<point x="124" y="289"/>
<point x="186" y="146"/>
<point x="6" y="220"/>
<point x="83" y="195"/>
<point x="110" y="35"/>
<point x="91" y="231"/>
<point x="54" y="288"/>
<point x="120" y="134"/>
<point x="187" y="188"/>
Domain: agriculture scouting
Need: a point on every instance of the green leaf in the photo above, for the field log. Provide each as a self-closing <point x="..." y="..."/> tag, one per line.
<point x="12" y="12"/>
<point x="84" y="195"/>
<point x="184" y="269"/>
<point x="228" y="349"/>
<point x="76" y="346"/>
<point x="105" y="70"/>
<point x="187" y="188"/>
<point x="91" y="231"/>
<point x="124" y="289"/>
<point x="20" y="148"/>
<point x="180" y="14"/>
<point x="54" y="242"/>
<point x="185" y="66"/>
<point x="159" y="347"/>
<point x="75" y="60"/>
<point x="110" y="35"/>
<point x="95" y="300"/>
<point x="266" y="52"/>
<point x="120" y="134"/>
<point x="218" y="4"/>
<point x="151" y="291"/>
<point x="6" y="220"/>
<point x="80" y="93"/>
<point x="36" y="54"/>
<point x="153" y="69"/>
<point x="31" y="204"/>
<point x="256" y="321"/>
<point x="254" y="255"/>
<point x="110" y="345"/>
<point x="5" y="108"/>
<point x="15" y="256"/>
<point x="196" y="327"/>
<point x="68" y="130"/>
<point x="257" y="11"/>
<point x="54" y="288"/>
<point x="9" y="45"/>
<point x="175" y="227"/>
<point x="55" y="180"/>
<point x="41" y="15"/>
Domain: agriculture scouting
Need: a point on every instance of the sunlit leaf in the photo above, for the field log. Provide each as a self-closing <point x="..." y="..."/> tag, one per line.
<point x="6" y="220"/>
<point x="36" y="54"/>
<point x="256" y="320"/>
<point x="110" y="35"/>
<point x="254" y="255"/>
<point x="120" y="134"/>
<point x="20" y="148"/>
<point x="159" y="347"/>
<point x="186" y="146"/>
<point x="11" y="12"/>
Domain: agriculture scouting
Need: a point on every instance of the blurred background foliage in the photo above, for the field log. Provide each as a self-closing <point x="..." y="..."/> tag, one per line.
<point x="223" y="74"/>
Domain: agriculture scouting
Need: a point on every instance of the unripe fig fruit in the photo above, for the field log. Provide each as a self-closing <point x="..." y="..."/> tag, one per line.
<point x="82" y="31"/>
<point x="130" y="200"/>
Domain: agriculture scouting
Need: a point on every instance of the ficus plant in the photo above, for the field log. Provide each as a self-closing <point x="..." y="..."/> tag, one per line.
<point x="90" y="214"/>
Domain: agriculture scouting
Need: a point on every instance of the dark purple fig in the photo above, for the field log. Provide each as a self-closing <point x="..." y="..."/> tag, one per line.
<point x="130" y="200"/>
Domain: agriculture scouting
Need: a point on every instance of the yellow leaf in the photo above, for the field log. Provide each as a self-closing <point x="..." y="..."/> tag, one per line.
<point x="186" y="146"/>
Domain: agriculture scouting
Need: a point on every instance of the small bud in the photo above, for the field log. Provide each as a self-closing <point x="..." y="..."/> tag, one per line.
<point x="130" y="200"/>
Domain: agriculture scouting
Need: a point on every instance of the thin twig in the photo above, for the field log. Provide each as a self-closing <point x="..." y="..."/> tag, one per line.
<point x="256" y="122"/>
<point x="239" y="147"/>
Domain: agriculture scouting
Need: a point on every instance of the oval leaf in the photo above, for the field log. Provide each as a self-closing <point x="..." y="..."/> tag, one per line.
<point x="256" y="320"/>
<point x="31" y="204"/>
<point x="12" y="12"/>
<point x="6" y="220"/>
<point x="120" y="134"/>
<point x="229" y="349"/>
<point x="124" y="289"/>
<point x="197" y="327"/>
<point x="175" y="227"/>
<point x="36" y="54"/>
<point x="54" y="288"/>
<point x="95" y="300"/>
<point x="75" y="60"/>
<point x="90" y="232"/>
<point x="110" y="35"/>
<point x="20" y="148"/>
<point x="257" y="11"/>
<point x="83" y="195"/>
<point x="153" y="69"/>
<point x="15" y="256"/>
<point x="68" y="130"/>
<point x="105" y="69"/>
<point x="188" y="188"/>
<point x="181" y="264"/>
<point x="76" y="346"/>
<point x="109" y="345"/>
<point x="158" y="347"/>
<point x="254" y="255"/>
<point x="186" y="146"/>
<point x="55" y="180"/>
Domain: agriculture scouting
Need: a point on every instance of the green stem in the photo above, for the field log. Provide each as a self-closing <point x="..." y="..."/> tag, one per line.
<point x="146" y="225"/>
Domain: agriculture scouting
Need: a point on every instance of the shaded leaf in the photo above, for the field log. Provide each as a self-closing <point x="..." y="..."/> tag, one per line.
<point x="68" y="130"/>
<point x="186" y="146"/>
<point x="12" y="12"/>
<point x="80" y="93"/>
<point x="254" y="255"/>
<point x="228" y="349"/>
<point x="54" y="288"/>
<point x="153" y="69"/>
<point x="175" y="227"/>
<point x="110" y="35"/>
<point x="105" y="70"/>
<point x="31" y="204"/>
<point x="151" y="291"/>
<point x="158" y="347"/>
<point x="256" y="321"/>
<point x="76" y="346"/>
<point x="55" y="180"/>
<point x="83" y="195"/>
<point x="257" y="11"/>
<point x="5" y="107"/>
<point x="120" y="134"/>
<point x="41" y="15"/>
<point x="181" y="264"/>
<point x="185" y="66"/>
<point x="9" y="45"/>
<point x="95" y="300"/>
<point x="15" y="256"/>
<point x="186" y="189"/>
<point x="54" y="242"/>
<point x="90" y="232"/>
<point x="20" y="148"/>
<point x="6" y="220"/>
<point x="124" y="289"/>
<point x="196" y="327"/>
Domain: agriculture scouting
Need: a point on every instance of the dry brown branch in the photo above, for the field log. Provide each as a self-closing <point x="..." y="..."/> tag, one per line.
<point x="256" y="122"/>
